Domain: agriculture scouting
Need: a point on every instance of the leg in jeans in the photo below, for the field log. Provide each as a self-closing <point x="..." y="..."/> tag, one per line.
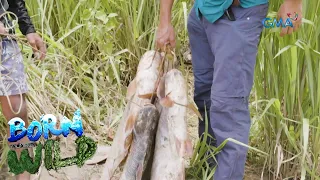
<point x="234" y="45"/>
<point x="202" y="62"/>
<point x="13" y="86"/>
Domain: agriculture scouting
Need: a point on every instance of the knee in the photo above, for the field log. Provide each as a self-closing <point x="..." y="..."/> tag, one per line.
<point x="20" y="110"/>
<point x="16" y="108"/>
<point x="230" y="117"/>
<point x="219" y="104"/>
<point x="232" y="103"/>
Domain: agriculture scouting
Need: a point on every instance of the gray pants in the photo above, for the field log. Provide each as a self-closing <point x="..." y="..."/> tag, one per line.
<point x="223" y="58"/>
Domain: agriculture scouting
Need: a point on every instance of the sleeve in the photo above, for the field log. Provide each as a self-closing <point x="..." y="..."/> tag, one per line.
<point x="18" y="7"/>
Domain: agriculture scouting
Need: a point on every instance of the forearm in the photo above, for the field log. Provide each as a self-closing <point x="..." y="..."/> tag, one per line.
<point x="18" y="7"/>
<point x="165" y="11"/>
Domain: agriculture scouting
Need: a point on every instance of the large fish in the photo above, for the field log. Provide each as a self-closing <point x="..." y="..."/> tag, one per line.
<point x="142" y="147"/>
<point x="172" y="141"/>
<point x="176" y="100"/>
<point x="166" y="164"/>
<point x="139" y="93"/>
<point x="147" y="78"/>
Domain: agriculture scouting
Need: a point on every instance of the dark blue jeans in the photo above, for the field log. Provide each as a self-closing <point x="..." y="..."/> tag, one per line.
<point x="223" y="58"/>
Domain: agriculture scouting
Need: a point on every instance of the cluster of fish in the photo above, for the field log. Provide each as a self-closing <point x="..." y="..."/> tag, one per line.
<point x="151" y="141"/>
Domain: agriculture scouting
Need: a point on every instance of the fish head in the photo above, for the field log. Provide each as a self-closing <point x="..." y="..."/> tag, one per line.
<point x="148" y="74"/>
<point x="176" y="86"/>
<point x="146" y="84"/>
<point x="175" y="91"/>
<point x="150" y="59"/>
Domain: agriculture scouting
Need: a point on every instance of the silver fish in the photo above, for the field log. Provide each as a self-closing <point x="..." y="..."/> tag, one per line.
<point x="139" y="93"/>
<point x="172" y="141"/>
<point x="143" y="144"/>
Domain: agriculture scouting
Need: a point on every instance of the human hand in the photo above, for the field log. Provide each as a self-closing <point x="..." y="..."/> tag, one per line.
<point x="165" y="36"/>
<point x="38" y="47"/>
<point x="290" y="9"/>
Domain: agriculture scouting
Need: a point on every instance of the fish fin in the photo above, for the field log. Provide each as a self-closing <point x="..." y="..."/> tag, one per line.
<point x="131" y="89"/>
<point x="188" y="148"/>
<point x="166" y="102"/>
<point x="123" y="161"/>
<point x="130" y="123"/>
<point x="128" y="141"/>
<point x="195" y="110"/>
<point x="147" y="96"/>
<point x="139" y="172"/>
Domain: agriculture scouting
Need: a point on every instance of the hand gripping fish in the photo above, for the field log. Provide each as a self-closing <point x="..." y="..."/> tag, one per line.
<point x="172" y="141"/>
<point x="138" y="94"/>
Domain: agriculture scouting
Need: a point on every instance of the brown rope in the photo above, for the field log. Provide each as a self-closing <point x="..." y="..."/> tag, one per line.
<point x="161" y="73"/>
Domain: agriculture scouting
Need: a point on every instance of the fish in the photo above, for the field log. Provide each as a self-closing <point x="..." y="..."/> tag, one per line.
<point x="139" y="93"/>
<point x="142" y="147"/>
<point x="173" y="144"/>
<point x="175" y="98"/>
<point x="147" y="77"/>
<point x="119" y="147"/>
<point x="166" y="163"/>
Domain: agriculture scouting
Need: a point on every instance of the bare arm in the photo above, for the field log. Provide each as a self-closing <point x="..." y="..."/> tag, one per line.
<point x="18" y="7"/>
<point x="165" y="11"/>
<point x="165" y="32"/>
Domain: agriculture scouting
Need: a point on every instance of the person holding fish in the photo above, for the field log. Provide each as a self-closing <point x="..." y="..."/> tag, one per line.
<point x="224" y="37"/>
<point x="13" y="84"/>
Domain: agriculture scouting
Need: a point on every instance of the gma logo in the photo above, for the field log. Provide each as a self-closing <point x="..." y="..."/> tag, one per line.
<point x="271" y="23"/>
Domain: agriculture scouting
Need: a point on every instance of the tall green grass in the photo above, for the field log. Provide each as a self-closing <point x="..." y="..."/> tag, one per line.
<point x="287" y="98"/>
<point x="94" y="47"/>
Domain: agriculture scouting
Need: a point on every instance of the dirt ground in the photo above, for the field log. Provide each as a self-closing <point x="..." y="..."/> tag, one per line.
<point x="93" y="172"/>
<point x="87" y="172"/>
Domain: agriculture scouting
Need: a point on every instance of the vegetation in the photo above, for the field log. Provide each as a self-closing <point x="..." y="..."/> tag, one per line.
<point x="287" y="98"/>
<point x="93" y="51"/>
